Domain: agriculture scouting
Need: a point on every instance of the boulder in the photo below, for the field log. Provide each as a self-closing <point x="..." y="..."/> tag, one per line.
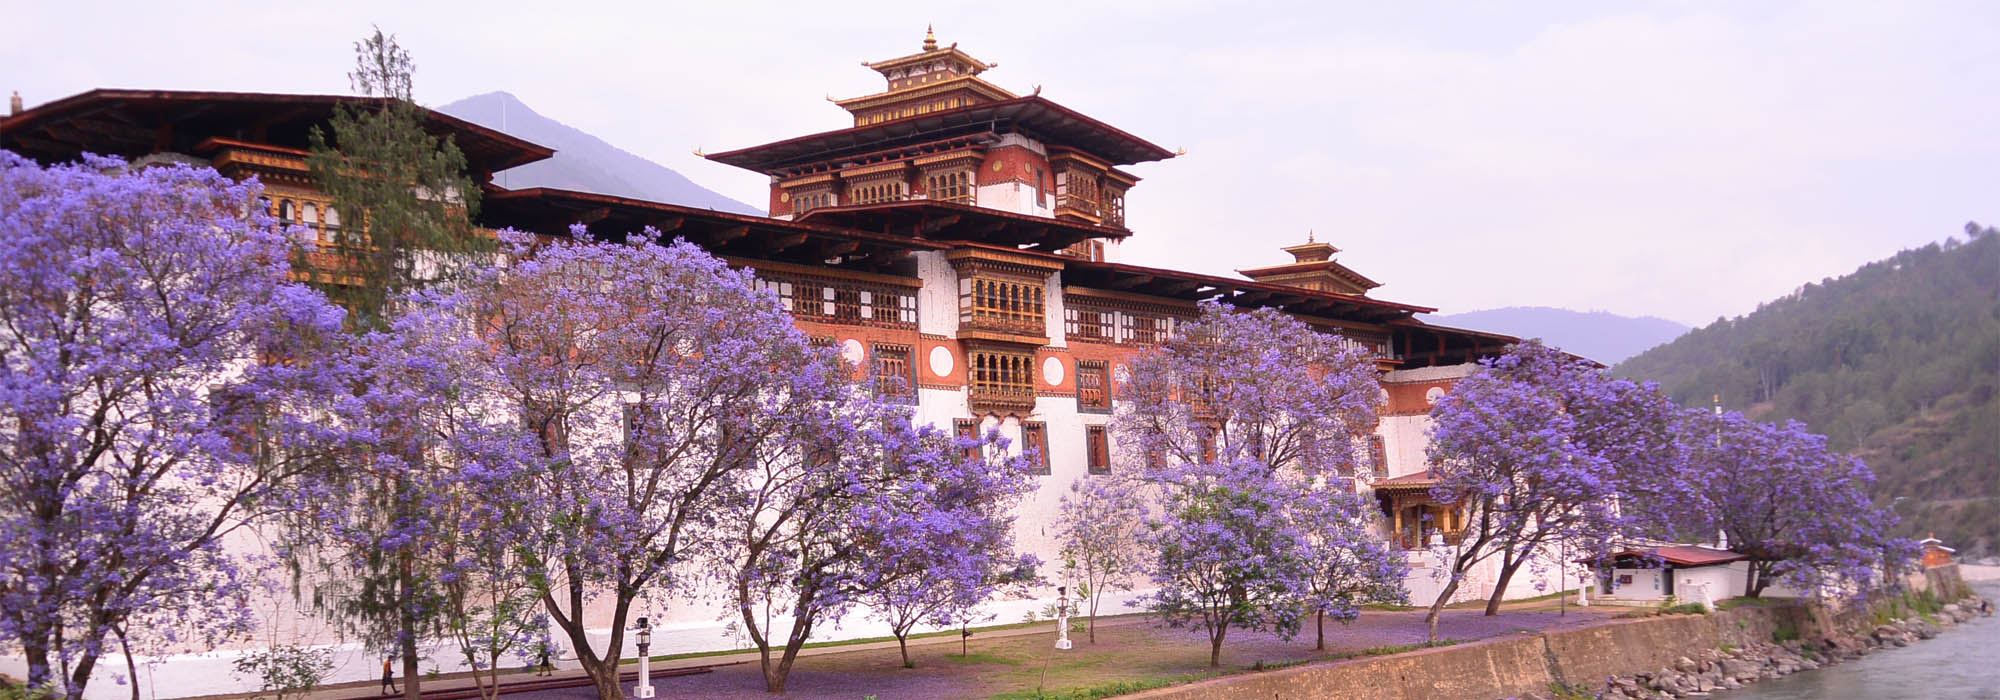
<point x="1739" y="669"/>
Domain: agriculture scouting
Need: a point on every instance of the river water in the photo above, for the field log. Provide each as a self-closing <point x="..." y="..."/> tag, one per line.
<point x="1963" y="662"/>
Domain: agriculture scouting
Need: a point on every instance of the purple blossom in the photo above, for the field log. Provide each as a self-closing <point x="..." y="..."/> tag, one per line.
<point x="1250" y="385"/>
<point x="142" y="417"/>
<point x="1538" y="448"/>
<point x="1227" y="552"/>
<point x="1098" y="525"/>
<point x="1800" y="511"/>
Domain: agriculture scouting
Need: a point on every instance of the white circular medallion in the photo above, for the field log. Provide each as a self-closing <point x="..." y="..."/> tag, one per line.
<point x="941" y="361"/>
<point x="1052" y="370"/>
<point x="851" y="351"/>
<point x="1431" y="396"/>
<point x="1120" y="373"/>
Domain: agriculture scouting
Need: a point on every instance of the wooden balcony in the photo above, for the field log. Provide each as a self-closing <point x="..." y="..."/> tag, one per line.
<point x="1001" y="399"/>
<point x="1011" y="323"/>
<point x="1080" y="207"/>
<point x="1003" y="305"/>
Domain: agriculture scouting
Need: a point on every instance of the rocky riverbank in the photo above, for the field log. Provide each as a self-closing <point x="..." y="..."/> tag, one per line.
<point x="1734" y="667"/>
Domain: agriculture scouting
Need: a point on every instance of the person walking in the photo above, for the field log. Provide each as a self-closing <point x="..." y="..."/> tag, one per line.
<point x="389" y="675"/>
<point x="542" y="665"/>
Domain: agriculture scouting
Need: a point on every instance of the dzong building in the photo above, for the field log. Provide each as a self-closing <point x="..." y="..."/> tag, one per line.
<point x="956" y="234"/>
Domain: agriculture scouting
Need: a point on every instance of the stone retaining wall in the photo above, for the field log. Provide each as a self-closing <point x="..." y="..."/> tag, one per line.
<point x="1521" y="664"/>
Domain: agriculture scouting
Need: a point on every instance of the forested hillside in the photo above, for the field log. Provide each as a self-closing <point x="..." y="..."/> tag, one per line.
<point x="1898" y="362"/>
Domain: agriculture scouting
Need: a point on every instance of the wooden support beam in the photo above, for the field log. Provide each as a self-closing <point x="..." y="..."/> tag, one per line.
<point x="669" y="223"/>
<point x="735" y="232"/>
<point x="65" y="132"/>
<point x="1059" y="241"/>
<point x="591" y="216"/>
<point x="1313" y="306"/>
<point x="42" y="144"/>
<point x="1129" y="282"/>
<point x="784" y="242"/>
<point x="931" y="226"/>
<point x="1251" y="297"/>
<point x="114" y="130"/>
<point x="1183" y="287"/>
<point x="828" y="249"/>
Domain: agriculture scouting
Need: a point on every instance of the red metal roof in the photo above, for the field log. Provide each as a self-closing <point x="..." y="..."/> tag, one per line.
<point x="1682" y="555"/>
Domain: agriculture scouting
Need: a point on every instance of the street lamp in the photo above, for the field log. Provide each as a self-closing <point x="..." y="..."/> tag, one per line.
<point x="1062" y="617"/>
<point x="645" y="638"/>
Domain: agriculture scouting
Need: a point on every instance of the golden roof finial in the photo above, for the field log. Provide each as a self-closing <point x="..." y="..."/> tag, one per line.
<point x="1309" y="236"/>
<point x="930" y="38"/>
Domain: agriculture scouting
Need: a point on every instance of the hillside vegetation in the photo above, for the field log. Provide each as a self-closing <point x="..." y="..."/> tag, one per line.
<point x="1898" y="362"/>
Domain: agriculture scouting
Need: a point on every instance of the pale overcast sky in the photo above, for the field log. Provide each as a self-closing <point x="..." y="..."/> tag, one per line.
<point x="1684" y="160"/>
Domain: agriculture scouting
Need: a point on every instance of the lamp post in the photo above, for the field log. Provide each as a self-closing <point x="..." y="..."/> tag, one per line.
<point x="645" y="638"/>
<point x="1062" y="617"/>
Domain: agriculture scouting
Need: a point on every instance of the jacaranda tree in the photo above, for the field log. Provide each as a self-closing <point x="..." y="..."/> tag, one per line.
<point x="1252" y="385"/>
<point x="157" y="370"/>
<point x="1526" y="448"/>
<point x="856" y="505"/>
<point x="1098" y="527"/>
<point x="1800" y="511"/>
<point x="648" y="375"/>
<point x="1347" y="564"/>
<point x="413" y="527"/>
<point x="939" y="540"/>
<point x="1227" y="553"/>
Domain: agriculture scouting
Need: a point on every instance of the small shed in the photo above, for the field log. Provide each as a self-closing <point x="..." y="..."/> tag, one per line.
<point x="1654" y="574"/>
<point x="1935" y="553"/>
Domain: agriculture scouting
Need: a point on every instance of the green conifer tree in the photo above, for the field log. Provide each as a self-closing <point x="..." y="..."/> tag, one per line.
<point x="409" y="204"/>
<point x="405" y="188"/>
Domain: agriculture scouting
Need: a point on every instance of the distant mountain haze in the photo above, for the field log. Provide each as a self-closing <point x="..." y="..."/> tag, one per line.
<point x="584" y="162"/>
<point x="1602" y="336"/>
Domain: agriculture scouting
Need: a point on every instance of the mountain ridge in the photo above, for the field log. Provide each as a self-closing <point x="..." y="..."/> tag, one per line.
<point x="1599" y="335"/>
<point x="582" y="161"/>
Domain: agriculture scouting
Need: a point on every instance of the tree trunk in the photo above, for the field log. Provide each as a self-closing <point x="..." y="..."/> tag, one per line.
<point x="1319" y="623"/>
<point x="411" y="669"/>
<point x="1500" y="587"/>
<point x="774" y="679"/>
<point x="1437" y="607"/>
<point x="603" y="672"/>
<point x="903" y="645"/>
<point x="1090" y="627"/>
<point x="604" y="675"/>
<point x="36" y="647"/>
<point x="1215" y="646"/>
<point x="80" y="677"/>
<point x="131" y="666"/>
<point x="1753" y="585"/>
<point x="407" y="617"/>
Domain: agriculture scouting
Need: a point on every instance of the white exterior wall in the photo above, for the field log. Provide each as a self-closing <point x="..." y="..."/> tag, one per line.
<point x="1016" y="198"/>
<point x="1404" y="439"/>
<point x="937" y="301"/>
